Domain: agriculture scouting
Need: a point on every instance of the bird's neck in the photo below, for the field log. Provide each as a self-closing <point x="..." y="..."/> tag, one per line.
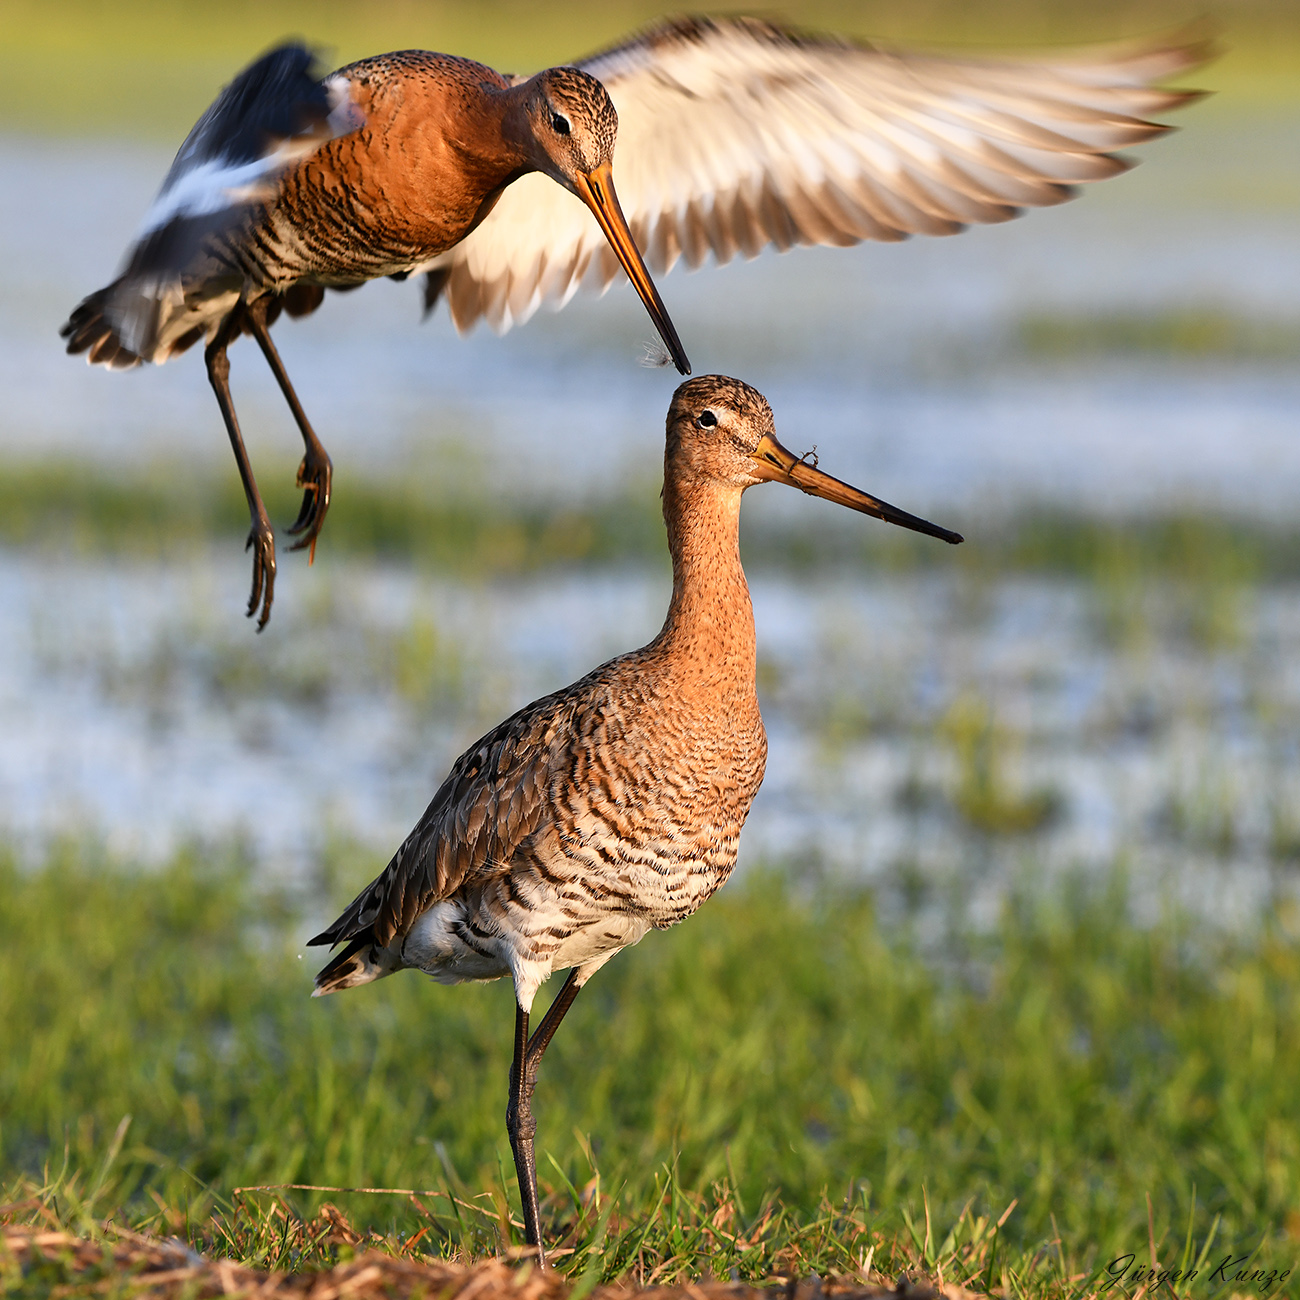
<point x="509" y="108"/>
<point x="709" y="631"/>
<point x="490" y="135"/>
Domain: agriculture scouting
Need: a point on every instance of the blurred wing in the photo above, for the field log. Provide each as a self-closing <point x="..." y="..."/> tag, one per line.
<point x="735" y="134"/>
<point x="275" y="113"/>
<point x="495" y="796"/>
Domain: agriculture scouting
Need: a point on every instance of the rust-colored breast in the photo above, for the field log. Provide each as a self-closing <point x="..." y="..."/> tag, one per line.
<point x="412" y="182"/>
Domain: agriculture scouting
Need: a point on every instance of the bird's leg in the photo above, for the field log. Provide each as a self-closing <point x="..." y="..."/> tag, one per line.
<point x="520" y="1123"/>
<point x="522" y="1128"/>
<point x="519" y="1114"/>
<point x="315" y="473"/>
<point x="261" y="538"/>
<point x="544" y="1032"/>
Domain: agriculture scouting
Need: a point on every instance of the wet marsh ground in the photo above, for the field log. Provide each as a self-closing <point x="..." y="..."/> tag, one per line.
<point x="1016" y="917"/>
<point x="1066" y="694"/>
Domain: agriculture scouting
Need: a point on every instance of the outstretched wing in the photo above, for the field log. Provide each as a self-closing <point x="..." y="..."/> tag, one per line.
<point x="496" y="794"/>
<point x="275" y="113"/>
<point x="735" y="134"/>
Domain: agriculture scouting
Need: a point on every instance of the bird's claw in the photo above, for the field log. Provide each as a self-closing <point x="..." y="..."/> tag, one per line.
<point x="261" y="541"/>
<point x="315" y="477"/>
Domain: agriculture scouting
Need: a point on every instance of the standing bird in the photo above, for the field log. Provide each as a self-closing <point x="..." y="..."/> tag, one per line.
<point x="613" y="806"/>
<point x="736" y="135"/>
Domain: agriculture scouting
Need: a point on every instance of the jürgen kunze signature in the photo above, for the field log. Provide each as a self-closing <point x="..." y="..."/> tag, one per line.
<point x="1124" y="1271"/>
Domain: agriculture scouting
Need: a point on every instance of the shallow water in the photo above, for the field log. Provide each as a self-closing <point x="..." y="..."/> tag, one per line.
<point x="137" y="704"/>
<point x="902" y="362"/>
<point x="134" y="707"/>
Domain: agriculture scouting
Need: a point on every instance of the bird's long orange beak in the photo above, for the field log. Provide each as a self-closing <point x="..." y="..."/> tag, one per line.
<point x="775" y="463"/>
<point x="596" y="190"/>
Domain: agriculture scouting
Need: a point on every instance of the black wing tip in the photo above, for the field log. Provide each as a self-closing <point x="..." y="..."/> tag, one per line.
<point x="435" y="283"/>
<point x="346" y="928"/>
<point x="294" y="54"/>
<point x="279" y="95"/>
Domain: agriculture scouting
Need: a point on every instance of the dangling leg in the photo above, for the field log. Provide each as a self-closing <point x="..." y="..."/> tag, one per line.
<point x="315" y="473"/>
<point x="520" y="1123"/>
<point x="261" y="538"/>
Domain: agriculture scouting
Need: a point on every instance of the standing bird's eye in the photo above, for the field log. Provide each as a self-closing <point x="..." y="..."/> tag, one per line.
<point x="706" y="419"/>
<point x="560" y="124"/>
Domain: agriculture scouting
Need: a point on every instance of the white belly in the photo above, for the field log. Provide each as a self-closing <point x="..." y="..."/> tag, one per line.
<point x="443" y="943"/>
<point x="598" y="941"/>
<point x="456" y="940"/>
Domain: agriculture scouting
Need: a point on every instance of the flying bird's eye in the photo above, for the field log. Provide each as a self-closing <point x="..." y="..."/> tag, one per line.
<point x="560" y="124"/>
<point x="706" y="420"/>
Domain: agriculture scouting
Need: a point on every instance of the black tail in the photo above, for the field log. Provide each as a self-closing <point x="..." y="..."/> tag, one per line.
<point x="88" y="330"/>
<point x="355" y="965"/>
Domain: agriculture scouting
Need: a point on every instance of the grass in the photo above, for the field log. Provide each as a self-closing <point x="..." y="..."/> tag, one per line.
<point x="159" y="511"/>
<point x="983" y="797"/>
<point x="57" y="505"/>
<point x="1193" y="334"/>
<point x="779" y="1085"/>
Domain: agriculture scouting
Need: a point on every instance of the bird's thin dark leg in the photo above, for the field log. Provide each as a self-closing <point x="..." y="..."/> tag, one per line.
<point x="520" y="1123"/>
<point x="261" y="538"/>
<point x="544" y="1032"/>
<point x="315" y="474"/>
<point x="522" y="1128"/>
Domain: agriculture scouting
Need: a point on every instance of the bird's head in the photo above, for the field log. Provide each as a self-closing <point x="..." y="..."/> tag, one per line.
<point x="571" y="130"/>
<point x="722" y="429"/>
<point x="573" y="122"/>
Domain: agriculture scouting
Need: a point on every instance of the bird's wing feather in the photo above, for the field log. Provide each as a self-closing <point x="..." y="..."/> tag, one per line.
<point x="271" y="116"/>
<point x="497" y="793"/>
<point x="735" y="134"/>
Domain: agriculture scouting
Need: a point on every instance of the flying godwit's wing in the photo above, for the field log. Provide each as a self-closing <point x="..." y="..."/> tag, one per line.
<point x="496" y="794"/>
<point x="271" y="116"/>
<point x="735" y="134"/>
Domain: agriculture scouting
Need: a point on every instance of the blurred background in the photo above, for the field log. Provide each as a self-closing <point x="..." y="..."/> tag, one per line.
<point x="1103" y="397"/>
<point x="1094" y="702"/>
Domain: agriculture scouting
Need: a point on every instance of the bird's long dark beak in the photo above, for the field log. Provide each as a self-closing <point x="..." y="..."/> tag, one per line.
<point x="596" y="190"/>
<point x="774" y="462"/>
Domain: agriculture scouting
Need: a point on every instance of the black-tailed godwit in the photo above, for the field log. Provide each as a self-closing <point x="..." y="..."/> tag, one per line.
<point x="735" y="135"/>
<point x="613" y="806"/>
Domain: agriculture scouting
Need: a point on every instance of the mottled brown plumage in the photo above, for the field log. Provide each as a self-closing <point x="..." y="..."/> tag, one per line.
<point x="613" y="806"/>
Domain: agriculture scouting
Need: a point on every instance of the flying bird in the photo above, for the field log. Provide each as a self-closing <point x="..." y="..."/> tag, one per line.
<point x="613" y="806"/>
<point x="734" y="135"/>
